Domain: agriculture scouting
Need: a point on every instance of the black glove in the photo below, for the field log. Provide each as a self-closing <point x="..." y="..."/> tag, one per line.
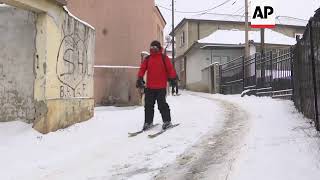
<point x="140" y="83"/>
<point x="173" y="82"/>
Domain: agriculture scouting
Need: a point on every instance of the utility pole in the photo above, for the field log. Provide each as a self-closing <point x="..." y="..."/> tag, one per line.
<point x="262" y="41"/>
<point x="247" y="53"/>
<point x="263" y="60"/>
<point x="173" y="35"/>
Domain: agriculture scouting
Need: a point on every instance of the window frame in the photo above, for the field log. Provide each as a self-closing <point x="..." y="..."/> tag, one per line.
<point x="182" y="39"/>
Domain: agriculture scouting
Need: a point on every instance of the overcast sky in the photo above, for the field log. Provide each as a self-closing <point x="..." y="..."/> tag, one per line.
<point x="302" y="9"/>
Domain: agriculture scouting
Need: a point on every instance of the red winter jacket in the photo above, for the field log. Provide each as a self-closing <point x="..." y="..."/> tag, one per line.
<point x="157" y="76"/>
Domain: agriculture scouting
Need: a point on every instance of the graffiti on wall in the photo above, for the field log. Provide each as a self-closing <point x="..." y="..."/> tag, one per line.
<point x="74" y="66"/>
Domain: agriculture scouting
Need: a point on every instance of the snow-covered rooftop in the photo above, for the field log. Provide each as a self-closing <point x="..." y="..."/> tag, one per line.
<point x="236" y="36"/>
<point x="286" y="20"/>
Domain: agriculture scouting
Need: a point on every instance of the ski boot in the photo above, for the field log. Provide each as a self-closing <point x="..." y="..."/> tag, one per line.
<point x="166" y="125"/>
<point x="147" y="126"/>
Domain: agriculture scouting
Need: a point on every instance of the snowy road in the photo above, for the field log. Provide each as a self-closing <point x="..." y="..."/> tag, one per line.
<point x="100" y="148"/>
<point x="280" y="143"/>
<point x="214" y="156"/>
<point x="220" y="137"/>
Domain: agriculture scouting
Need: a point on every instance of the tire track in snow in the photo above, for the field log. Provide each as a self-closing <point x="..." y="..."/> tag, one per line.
<point x="214" y="156"/>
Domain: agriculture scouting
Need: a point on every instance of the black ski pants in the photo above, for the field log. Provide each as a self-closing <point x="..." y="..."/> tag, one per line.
<point x="151" y="96"/>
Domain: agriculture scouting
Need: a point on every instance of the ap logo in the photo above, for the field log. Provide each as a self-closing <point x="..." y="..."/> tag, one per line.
<point x="262" y="14"/>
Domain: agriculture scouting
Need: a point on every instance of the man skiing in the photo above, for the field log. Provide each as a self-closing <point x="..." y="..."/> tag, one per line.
<point x="159" y="71"/>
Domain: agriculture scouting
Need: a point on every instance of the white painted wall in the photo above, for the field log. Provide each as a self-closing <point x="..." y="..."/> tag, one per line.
<point x="198" y="59"/>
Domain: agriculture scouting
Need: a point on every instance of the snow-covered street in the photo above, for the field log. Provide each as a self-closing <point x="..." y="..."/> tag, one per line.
<point x="279" y="143"/>
<point x="220" y="137"/>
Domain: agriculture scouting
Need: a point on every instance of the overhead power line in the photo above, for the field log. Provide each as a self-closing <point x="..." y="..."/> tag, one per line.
<point x="239" y="10"/>
<point x="291" y="18"/>
<point x="195" y="12"/>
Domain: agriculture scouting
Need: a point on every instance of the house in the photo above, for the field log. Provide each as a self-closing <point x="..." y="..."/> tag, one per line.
<point x="46" y="65"/>
<point x="223" y="46"/>
<point x="190" y="30"/>
<point x="124" y="29"/>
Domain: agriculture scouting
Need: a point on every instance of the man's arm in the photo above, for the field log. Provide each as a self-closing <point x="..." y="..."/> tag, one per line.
<point x="143" y="68"/>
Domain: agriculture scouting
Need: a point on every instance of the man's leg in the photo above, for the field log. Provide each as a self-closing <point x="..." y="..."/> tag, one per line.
<point x="149" y="100"/>
<point x="163" y="105"/>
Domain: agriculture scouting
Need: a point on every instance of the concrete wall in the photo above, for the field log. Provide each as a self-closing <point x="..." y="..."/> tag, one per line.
<point x="124" y="29"/>
<point x="210" y="78"/>
<point x="63" y="66"/>
<point x="205" y="79"/>
<point x="215" y="79"/>
<point x="17" y="50"/>
<point x="65" y="74"/>
<point x="117" y="90"/>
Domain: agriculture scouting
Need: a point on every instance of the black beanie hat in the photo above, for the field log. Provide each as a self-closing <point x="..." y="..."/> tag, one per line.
<point x="156" y="43"/>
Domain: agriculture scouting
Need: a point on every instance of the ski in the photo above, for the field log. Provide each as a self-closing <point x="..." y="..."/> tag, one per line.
<point x="132" y="134"/>
<point x="162" y="131"/>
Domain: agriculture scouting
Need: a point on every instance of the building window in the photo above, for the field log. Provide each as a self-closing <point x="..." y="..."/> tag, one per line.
<point x="220" y="59"/>
<point x="224" y="59"/>
<point x="182" y="39"/>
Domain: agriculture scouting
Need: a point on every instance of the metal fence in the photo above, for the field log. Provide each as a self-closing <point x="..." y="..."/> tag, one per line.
<point x="268" y="74"/>
<point x="306" y="71"/>
<point x="232" y="76"/>
<point x="290" y="73"/>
